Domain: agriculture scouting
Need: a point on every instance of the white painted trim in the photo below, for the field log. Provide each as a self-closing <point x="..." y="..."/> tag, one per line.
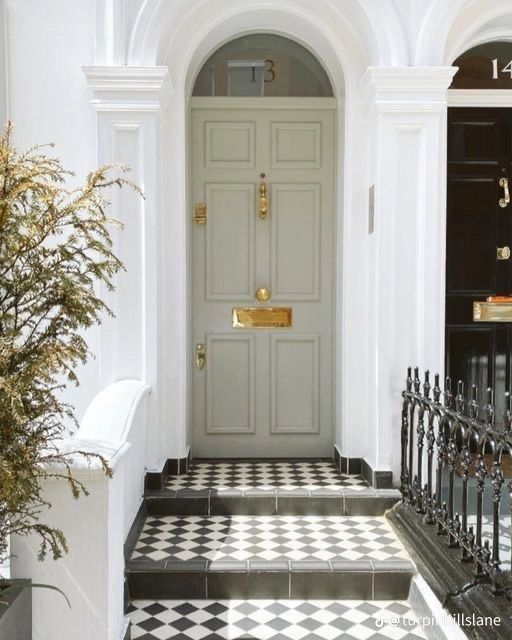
<point x="128" y="89"/>
<point x="126" y="78"/>
<point x="406" y="89"/>
<point x="425" y="604"/>
<point x="222" y="102"/>
<point x="480" y="97"/>
<point x="409" y="79"/>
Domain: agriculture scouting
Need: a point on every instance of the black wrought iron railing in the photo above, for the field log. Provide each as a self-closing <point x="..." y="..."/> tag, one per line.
<point x="457" y="472"/>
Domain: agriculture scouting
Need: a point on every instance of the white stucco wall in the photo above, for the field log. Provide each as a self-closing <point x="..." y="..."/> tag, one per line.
<point x="47" y="43"/>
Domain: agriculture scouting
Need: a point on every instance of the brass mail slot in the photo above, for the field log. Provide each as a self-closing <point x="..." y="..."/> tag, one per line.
<point x="261" y="317"/>
<point x="492" y="311"/>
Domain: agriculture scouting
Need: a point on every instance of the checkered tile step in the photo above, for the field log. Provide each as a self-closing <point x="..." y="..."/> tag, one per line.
<point x="273" y="620"/>
<point x="268" y="538"/>
<point x="236" y="474"/>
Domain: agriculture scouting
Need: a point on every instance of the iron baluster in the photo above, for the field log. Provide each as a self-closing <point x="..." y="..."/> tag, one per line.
<point x="481" y="472"/>
<point x="497" y="481"/>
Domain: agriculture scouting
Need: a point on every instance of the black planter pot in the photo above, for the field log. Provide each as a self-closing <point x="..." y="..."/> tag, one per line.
<point x="16" y="610"/>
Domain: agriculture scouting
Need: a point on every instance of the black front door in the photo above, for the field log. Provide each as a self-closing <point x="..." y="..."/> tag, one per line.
<point x="479" y="155"/>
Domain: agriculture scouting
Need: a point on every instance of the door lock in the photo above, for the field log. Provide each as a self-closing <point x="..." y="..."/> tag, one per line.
<point x="503" y="202"/>
<point x="200" y="213"/>
<point x="200" y="356"/>
<point x="502" y="253"/>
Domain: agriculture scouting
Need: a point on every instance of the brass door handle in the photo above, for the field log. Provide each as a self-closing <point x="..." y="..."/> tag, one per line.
<point x="200" y="356"/>
<point x="506" y="194"/>
<point x="263" y="201"/>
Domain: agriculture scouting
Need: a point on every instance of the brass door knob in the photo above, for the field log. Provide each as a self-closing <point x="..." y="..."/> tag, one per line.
<point x="262" y="294"/>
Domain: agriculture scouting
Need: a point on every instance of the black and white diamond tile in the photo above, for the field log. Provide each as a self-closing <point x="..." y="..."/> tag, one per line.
<point x="302" y="474"/>
<point x="269" y="538"/>
<point x="273" y="620"/>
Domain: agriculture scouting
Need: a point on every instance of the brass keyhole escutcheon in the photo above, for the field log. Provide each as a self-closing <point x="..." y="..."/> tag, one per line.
<point x="263" y="294"/>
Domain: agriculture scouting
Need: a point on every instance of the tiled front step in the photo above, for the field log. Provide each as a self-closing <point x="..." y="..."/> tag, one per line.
<point x="348" y="579"/>
<point x="268" y="557"/>
<point x="274" y="620"/>
<point x="268" y="487"/>
<point x="275" y="501"/>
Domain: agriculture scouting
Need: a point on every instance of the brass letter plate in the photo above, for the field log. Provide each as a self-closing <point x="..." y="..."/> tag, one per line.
<point x="262" y="317"/>
<point x="492" y="311"/>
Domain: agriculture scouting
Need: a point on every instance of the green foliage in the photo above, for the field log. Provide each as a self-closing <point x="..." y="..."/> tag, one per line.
<point x="55" y="247"/>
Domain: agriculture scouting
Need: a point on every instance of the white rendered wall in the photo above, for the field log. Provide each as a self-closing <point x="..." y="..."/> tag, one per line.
<point x="49" y="102"/>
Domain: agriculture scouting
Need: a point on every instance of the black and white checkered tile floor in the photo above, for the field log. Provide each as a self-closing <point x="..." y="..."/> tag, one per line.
<point x="273" y="620"/>
<point x="188" y="538"/>
<point x="238" y="474"/>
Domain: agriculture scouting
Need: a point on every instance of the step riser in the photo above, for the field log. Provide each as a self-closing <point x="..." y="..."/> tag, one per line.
<point x="270" y="506"/>
<point x="149" y="585"/>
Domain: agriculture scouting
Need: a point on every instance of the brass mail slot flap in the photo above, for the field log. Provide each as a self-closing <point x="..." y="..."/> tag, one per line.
<point x="261" y="317"/>
<point x="492" y="311"/>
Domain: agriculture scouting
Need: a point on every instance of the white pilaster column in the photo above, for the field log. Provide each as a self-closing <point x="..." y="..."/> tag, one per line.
<point x="129" y="103"/>
<point x="407" y="115"/>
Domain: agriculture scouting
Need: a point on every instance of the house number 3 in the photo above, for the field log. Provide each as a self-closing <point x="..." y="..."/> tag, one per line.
<point x="270" y="71"/>
<point x="506" y="69"/>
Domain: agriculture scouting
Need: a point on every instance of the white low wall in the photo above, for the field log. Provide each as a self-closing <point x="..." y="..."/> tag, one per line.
<point x="92" y="573"/>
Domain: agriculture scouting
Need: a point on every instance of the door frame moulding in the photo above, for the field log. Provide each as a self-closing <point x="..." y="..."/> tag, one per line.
<point x="480" y="98"/>
<point x="179" y="39"/>
<point x="184" y="96"/>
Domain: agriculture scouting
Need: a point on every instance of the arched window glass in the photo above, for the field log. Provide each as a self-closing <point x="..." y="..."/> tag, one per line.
<point x="487" y="66"/>
<point x="262" y="65"/>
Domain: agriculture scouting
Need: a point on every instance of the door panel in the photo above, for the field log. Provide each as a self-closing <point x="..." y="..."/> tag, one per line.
<point x="295" y="254"/>
<point x="479" y="154"/>
<point x="230" y="380"/>
<point x="230" y="241"/>
<point x="230" y="145"/>
<point x="295" y="379"/>
<point x="471" y="260"/>
<point x="263" y="391"/>
<point x="296" y="145"/>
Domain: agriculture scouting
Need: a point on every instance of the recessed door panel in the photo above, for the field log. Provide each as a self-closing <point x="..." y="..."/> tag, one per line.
<point x="295" y="253"/>
<point x="471" y="259"/>
<point x="230" y="145"/>
<point x="230" y="379"/>
<point x="294" y="383"/>
<point x="230" y="241"/>
<point x="296" y="145"/>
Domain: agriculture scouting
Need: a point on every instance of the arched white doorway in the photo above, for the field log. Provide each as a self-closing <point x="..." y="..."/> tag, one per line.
<point x="263" y="184"/>
<point x="312" y="35"/>
<point x="179" y="41"/>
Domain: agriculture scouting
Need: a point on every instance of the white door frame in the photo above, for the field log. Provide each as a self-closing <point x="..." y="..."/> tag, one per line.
<point x="156" y="110"/>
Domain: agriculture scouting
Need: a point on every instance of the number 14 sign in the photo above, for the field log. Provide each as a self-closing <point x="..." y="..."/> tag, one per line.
<point x="495" y="70"/>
